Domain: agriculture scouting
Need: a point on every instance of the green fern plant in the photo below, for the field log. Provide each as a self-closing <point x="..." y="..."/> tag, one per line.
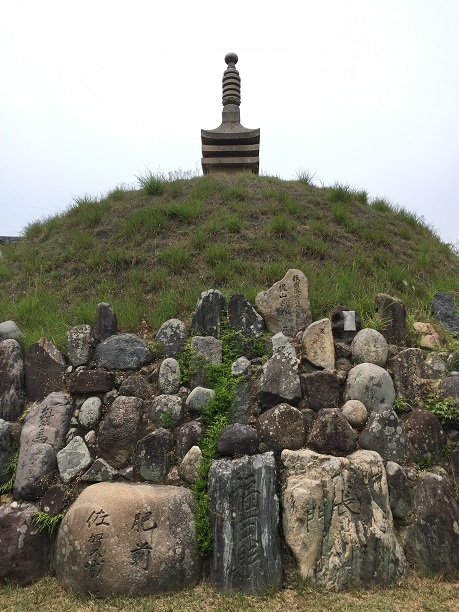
<point x="47" y="522"/>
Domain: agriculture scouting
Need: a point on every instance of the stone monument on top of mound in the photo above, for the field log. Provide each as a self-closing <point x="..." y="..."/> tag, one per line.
<point x="231" y="147"/>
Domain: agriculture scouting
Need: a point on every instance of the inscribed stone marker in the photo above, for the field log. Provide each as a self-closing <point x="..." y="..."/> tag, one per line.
<point x="244" y="516"/>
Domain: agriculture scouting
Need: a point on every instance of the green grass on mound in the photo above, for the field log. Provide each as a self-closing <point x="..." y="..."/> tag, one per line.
<point x="150" y="252"/>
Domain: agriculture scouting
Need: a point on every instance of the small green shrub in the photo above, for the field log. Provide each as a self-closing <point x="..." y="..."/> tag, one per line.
<point x="382" y="205"/>
<point x="234" y="223"/>
<point x="152" y="183"/>
<point x="305" y="176"/>
<point x="340" y="192"/>
<point x="401" y="405"/>
<point x="176" y="257"/>
<point x="445" y="409"/>
<point x="186" y="211"/>
<point x="280" y="225"/>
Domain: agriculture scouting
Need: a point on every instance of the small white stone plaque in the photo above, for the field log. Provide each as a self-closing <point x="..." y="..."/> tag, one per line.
<point x="349" y="320"/>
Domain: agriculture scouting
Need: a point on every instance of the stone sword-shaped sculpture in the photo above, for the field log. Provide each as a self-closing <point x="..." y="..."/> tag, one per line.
<point x="231" y="147"/>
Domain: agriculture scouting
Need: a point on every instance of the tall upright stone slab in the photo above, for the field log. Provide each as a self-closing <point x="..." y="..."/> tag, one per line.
<point x="12" y="394"/>
<point x="42" y="436"/>
<point x="80" y="342"/>
<point x="106" y="322"/>
<point x="444" y="309"/>
<point x="393" y="313"/>
<point x="136" y="539"/>
<point x="44" y="370"/>
<point x="244" y="517"/>
<point x="207" y="318"/>
<point x="337" y="519"/>
<point x="285" y="306"/>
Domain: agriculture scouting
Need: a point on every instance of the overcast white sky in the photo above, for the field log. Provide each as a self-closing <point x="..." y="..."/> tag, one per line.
<point x="364" y="92"/>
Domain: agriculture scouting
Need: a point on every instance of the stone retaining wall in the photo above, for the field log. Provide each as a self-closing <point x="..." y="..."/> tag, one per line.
<point x="329" y="466"/>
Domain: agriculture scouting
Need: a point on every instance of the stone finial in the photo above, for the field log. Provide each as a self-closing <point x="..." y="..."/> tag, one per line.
<point x="231" y="81"/>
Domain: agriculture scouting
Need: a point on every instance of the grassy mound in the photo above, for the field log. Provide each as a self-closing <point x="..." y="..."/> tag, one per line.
<point x="151" y="251"/>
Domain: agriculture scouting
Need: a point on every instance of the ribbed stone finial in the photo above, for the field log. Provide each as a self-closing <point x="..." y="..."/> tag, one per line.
<point x="231" y="81"/>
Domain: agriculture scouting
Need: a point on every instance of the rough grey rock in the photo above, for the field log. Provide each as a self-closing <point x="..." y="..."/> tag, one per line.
<point x="26" y="552"/>
<point x="246" y="321"/>
<point x="409" y="370"/>
<point x="240" y="411"/>
<point x="453" y="361"/>
<point x="207" y="317"/>
<point x="432" y="540"/>
<point x="123" y="539"/>
<point x="172" y="335"/>
<point x="384" y="434"/>
<point x="282" y="427"/>
<point x="425" y="434"/>
<point x="369" y="346"/>
<point x="188" y="435"/>
<point x="153" y="455"/>
<point x="237" y="439"/>
<point x="449" y="387"/>
<point x="321" y="389"/>
<point x="100" y="471"/>
<point x="9" y="331"/>
<point x="436" y="366"/>
<point x="166" y="410"/>
<point x="454" y="461"/>
<point x="279" y="381"/>
<point x="53" y="501"/>
<point x="90" y="412"/>
<point x="169" y="376"/>
<point x="12" y="395"/>
<point x="337" y="520"/>
<point x="241" y="367"/>
<point x="80" y="342"/>
<point x="355" y="412"/>
<point x="401" y="500"/>
<point x="42" y="436"/>
<point x="444" y="309"/>
<point x="331" y="433"/>
<point x="35" y="471"/>
<point x="346" y="322"/>
<point x="393" y="312"/>
<point x="243" y="317"/>
<point x="136" y="386"/>
<point x="85" y="382"/>
<point x="370" y="384"/>
<point x="123" y="352"/>
<point x="106" y="322"/>
<point x="5" y="450"/>
<point x="285" y="306"/>
<point x="119" y="430"/>
<point x="73" y="459"/>
<point x="191" y="464"/>
<point x="205" y="351"/>
<point x="198" y="399"/>
<point x="244" y="520"/>
<point x="44" y="370"/>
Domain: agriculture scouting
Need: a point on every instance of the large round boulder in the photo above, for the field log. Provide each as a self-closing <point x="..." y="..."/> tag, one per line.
<point x="370" y="384"/>
<point x="120" y="538"/>
<point x="369" y="346"/>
